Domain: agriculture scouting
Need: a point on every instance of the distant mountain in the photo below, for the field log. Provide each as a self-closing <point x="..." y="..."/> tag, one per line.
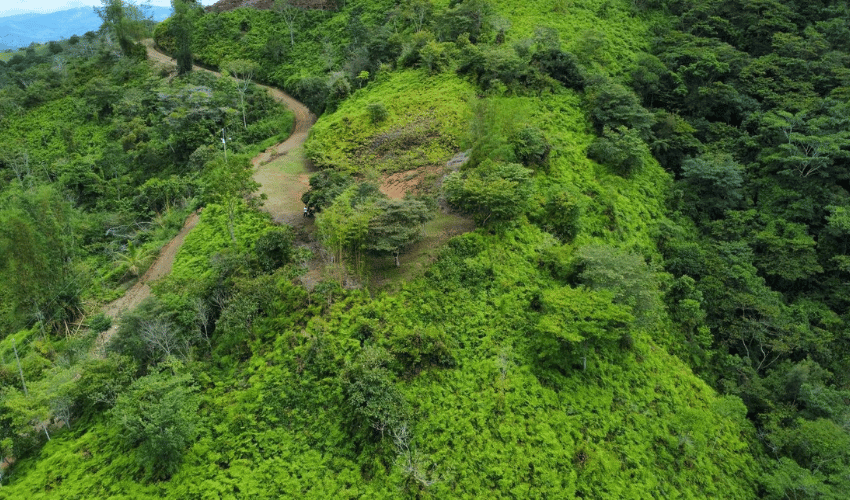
<point x="22" y="29"/>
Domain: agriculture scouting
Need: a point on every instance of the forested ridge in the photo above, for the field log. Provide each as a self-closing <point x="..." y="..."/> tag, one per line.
<point x="653" y="302"/>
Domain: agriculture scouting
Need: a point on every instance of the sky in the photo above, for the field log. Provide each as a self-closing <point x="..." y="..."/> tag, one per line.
<point x="12" y="7"/>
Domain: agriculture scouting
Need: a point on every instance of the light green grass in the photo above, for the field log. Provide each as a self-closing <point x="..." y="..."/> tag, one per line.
<point x="426" y="123"/>
<point x="605" y="33"/>
<point x="291" y="163"/>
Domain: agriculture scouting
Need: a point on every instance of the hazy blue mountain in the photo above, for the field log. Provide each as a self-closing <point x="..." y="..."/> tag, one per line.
<point x="22" y="29"/>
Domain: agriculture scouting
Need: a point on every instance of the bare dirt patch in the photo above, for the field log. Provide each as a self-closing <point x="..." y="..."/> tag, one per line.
<point x="396" y="185"/>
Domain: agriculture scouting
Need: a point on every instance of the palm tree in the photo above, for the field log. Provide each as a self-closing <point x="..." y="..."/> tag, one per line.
<point x="135" y="259"/>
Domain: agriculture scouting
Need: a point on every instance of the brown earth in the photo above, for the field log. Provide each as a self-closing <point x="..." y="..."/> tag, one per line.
<point x="396" y="185"/>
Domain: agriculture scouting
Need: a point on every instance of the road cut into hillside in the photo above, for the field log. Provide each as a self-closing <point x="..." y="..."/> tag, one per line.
<point x="282" y="171"/>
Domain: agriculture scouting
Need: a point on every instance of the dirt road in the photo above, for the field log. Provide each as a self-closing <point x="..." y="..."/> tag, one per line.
<point x="282" y="170"/>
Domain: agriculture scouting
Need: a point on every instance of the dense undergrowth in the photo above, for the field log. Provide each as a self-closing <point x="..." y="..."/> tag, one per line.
<point x="653" y="304"/>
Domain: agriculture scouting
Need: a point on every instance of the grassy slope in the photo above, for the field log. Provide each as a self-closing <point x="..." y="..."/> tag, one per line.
<point x="427" y="117"/>
<point x="494" y="425"/>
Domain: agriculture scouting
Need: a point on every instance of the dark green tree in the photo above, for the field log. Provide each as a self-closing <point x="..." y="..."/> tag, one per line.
<point x="493" y="193"/>
<point x="396" y="225"/>
<point x="612" y="105"/>
<point x="713" y="183"/>
<point x="624" y="274"/>
<point x="371" y="391"/>
<point x="127" y="23"/>
<point x="621" y="149"/>
<point x="230" y="183"/>
<point x="37" y="250"/>
<point x="576" y="320"/>
<point x="157" y="416"/>
<point x="181" y="27"/>
<point x="325" y="186"/>
<point x="274" y="248"/>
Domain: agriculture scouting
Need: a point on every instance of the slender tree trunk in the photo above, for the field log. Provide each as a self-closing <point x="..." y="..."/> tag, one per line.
<point x="230" y="217"/>
<point x="242" y="100"/>
<point x="20" y="370"/>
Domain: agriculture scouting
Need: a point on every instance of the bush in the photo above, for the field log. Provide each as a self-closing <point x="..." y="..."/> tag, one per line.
<point x="562" y="66"/>
<point x="531" y="147"/>
<point x="493" y="193"/>
<point x="100" y="323"/>
<point x="622" y="149"/>
<point x="274" y="248"/>
<point x="312" y="91"/>
<point x="713" y="184"/>
<point x="371" y="392"/>
<point x="626" y="275"/>
<point x="614" y="106"/>
<point x="148" y="335"/>
<point x="560" y="214"/>
<point x="377" y="112"/>
<point x="421" y="347"/>
<point x="157" y="416"/>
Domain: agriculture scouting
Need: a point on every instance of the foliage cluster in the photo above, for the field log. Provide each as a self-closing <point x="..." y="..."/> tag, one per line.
<point x="758" y="150"/>
<point x="102" y="158"/>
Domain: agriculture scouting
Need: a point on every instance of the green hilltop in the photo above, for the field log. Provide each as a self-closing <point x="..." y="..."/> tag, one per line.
<point x="619" y="270"/>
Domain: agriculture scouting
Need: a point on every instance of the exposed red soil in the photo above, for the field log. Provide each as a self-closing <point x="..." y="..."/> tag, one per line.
<point x="396" y="185"/>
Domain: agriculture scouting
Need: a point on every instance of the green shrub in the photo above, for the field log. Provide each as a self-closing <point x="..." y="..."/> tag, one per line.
<point x="371" y="392"/>
<point x="100" y="323"/>
<point x="621" y="149"/>
<point x="531" y="147"/>
<point x="377" y="112"/>
<point x="560" y="65"/>
<point x="157" y="417"/>
<point x="274" y="248"/>
<point x="612" y="106"/>
<point x="494" y="193"/>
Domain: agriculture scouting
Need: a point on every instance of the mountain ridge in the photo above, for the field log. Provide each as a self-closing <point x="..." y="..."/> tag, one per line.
<point x="20" y="30"/>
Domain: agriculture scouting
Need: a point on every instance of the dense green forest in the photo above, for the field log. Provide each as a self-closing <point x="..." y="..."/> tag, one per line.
<point x="653" y="302"/>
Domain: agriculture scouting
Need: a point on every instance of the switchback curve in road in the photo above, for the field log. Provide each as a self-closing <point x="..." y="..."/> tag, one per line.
<point x="283" y="203"/>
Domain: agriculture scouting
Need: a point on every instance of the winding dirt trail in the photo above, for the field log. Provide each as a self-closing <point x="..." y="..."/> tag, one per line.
<point x="282" y="170"/>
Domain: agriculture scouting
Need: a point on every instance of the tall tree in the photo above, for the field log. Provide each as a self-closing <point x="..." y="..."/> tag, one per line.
<point x="343" y="229"/>
<point x="127" y="23"/>
<point x="494" y="192"/>
<point x="290" y="13"/>
<point x="230" y="183"/>
<point x="36" y="250"/>
<point x="182" y="22"/>
<point x="243" y="72"/>
<point x="157" y="415"/>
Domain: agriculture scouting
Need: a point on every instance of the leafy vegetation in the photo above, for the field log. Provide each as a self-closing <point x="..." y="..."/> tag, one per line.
<point x="653" y="304"/>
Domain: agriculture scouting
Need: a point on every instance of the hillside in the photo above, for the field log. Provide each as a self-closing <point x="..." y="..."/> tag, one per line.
<point x="618" y="271"/>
